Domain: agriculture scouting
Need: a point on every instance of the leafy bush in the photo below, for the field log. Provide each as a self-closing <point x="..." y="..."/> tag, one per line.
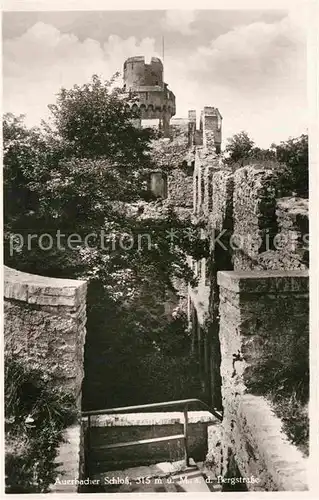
<point x="238" y="148"/>
<point x="35" y="415"/>
<point x="291" y="174"/>
<point x="170" y="377"/>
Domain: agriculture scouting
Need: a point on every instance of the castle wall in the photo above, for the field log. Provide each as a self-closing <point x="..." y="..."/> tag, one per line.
<point x="248" y="229"/>
<point x="292" y="240"/>
<point x="180" y="188"/>
<point x="221" y="213"/>
<point x="254" y="205"/>
<point x="211" y="126"/>
<point x="241" y="208"/>
<point x="263" y="319"/>
<point x="44" y="324"/>
<point x="270" y="233"/>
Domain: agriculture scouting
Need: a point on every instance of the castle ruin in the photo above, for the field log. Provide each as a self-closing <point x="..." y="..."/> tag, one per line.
<point x="249" y="307"/>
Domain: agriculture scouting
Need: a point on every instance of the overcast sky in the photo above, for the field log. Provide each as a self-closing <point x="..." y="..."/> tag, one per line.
<point x="249" y="64"/>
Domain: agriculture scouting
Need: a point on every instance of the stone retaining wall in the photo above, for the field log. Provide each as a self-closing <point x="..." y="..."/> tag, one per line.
<point x="263" y="317"/>
<point x="44" y="323"/>
<point x="263" y="450"/>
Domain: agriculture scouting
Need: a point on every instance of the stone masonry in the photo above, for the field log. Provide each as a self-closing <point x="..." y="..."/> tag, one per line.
<point x="44" y="324"/>
<point x="252" y="316"/>
<point x="263" y="317"/>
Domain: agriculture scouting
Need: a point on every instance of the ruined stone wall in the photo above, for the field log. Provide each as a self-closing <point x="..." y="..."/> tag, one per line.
<point x="264" y="232"/>
<point x="221" y="214"/>
<point x="248" y="229"/>
<point x="254" y="205"/>
<point x="207" y="164"/>
<point x="291" y="244"/>
<point x="180" y="187"/>
<point x="263" y="317"/>
<point x="44" y="324"/>
<point x="270" y="233"/>
<point x="211" y="126"/>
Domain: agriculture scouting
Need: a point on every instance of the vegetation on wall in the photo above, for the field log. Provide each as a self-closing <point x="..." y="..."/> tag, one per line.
<point x="36" y="414"/>
<point x="290" y="157"/>
<point x="284" y="382"/>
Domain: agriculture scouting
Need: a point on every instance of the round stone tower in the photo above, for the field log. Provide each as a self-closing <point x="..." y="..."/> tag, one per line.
<point x="155" y="101"/>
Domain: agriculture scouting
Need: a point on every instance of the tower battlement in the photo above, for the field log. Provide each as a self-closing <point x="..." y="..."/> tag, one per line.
<point x="155" y="100"/>
<point x="139" y="74"/>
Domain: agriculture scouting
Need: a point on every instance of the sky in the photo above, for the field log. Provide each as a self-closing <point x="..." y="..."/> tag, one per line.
<point x="250" y="64"/>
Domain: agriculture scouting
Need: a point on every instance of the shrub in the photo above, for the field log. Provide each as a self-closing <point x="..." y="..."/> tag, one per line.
<point x="36" y="413"/>
<point x="293" y="174"/>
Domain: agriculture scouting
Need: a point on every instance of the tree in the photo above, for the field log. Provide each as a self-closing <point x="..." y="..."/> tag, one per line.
<point x="81" y="174"/>
<point x="95" y="121"/>
<point x="293" y="174"/>
<point x="238" y="147"/>
<point x="291" y="157"/>
<point x="36" y="415"/>
<point x="25" y="153"/>
<point x="263" y="155"/>
<point x="84" y="174"/>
